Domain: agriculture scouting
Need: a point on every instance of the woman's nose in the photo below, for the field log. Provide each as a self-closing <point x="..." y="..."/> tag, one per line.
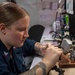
<point x="26" y="35"/>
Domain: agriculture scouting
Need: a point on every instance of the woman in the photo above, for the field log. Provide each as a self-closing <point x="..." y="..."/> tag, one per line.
<point x="14" y="45"/>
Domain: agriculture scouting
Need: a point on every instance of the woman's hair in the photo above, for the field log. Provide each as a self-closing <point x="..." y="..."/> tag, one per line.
<point x="11" y="12"/>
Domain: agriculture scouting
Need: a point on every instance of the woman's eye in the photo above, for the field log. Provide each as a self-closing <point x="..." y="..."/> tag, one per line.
<point x="21" y="29"/>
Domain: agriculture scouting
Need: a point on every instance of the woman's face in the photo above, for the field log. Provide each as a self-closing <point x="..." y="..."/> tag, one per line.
<point x="17" y="33"/>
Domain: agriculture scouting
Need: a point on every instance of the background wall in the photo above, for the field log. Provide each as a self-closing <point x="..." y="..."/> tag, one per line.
<point x="34" y="7"/>
<point x="2" y="1"/>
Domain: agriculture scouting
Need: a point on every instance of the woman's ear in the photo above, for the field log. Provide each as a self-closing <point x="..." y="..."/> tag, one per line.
<point x="2" y="28"/>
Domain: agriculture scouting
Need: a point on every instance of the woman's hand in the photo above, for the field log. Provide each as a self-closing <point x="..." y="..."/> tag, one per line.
<point x="40" y="49"/>
<point x="52" y="55"/>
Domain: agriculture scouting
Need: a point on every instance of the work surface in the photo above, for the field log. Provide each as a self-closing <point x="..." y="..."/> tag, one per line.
<point x="68" y="71"/>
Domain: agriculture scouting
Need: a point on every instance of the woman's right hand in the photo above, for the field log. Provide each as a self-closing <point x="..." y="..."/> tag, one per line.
<point x="52" y="55"/>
